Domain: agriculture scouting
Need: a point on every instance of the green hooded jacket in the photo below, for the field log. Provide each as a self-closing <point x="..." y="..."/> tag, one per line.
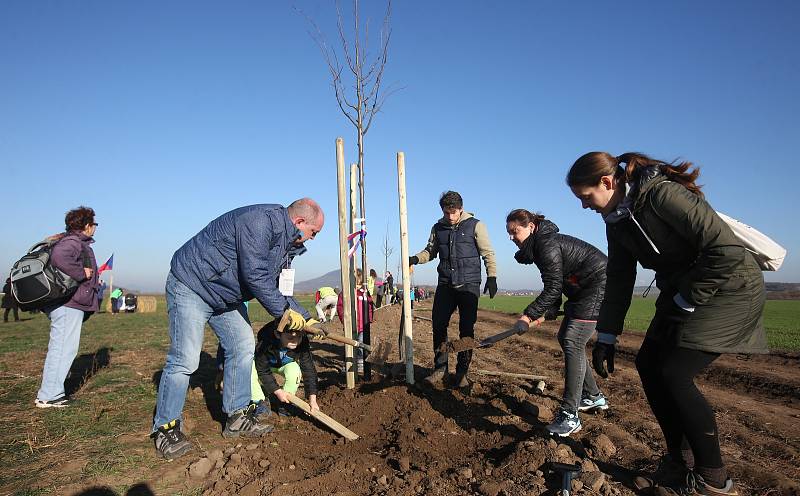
<point x="676" y="233"/>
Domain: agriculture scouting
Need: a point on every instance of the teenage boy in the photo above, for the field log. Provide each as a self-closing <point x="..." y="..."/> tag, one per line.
<point x="460" y="241"/>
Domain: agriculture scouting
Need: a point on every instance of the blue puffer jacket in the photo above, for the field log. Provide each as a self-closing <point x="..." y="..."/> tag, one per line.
<point x="239" y="256"/>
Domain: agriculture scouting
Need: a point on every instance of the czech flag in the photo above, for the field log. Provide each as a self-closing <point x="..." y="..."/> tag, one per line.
<point x="109" y="265"/>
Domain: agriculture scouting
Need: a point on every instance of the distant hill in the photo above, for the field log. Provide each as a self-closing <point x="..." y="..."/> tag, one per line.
<point x="782" y="286"/>
<point x="332" y="279"/>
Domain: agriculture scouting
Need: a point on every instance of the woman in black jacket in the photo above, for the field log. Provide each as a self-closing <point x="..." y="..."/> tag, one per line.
<point x="577" y="269"/>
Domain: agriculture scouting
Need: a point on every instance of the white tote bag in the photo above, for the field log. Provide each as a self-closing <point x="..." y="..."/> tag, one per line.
<point x="767" y="252"/>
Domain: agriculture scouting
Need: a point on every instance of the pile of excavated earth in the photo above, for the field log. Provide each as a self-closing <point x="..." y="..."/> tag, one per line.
<point x="490" y="438"/>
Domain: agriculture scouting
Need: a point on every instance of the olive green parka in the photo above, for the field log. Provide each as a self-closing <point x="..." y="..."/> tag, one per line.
<point x="677" y="234"/>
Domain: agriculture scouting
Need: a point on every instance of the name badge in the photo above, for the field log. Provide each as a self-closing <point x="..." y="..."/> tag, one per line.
<point x="286" y="282"/>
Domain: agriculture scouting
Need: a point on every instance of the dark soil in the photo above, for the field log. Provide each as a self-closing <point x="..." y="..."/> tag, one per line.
<point x="462" y="344"/>
<point x="490" y="439"/>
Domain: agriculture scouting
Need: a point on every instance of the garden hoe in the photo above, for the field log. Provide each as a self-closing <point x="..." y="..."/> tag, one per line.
<point x="377" y="353"/>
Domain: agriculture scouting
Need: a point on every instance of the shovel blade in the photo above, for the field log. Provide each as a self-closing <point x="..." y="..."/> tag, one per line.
<point x="379" y="353"/>
<point x="458" y="345"/>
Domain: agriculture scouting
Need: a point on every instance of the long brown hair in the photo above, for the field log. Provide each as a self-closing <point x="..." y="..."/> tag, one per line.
<point x="523" y="217"/>
<point x="589" y="168"/>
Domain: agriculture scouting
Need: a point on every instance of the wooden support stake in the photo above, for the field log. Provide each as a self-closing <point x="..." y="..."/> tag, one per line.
<point x="407" y="328"/>
<point x="344" y="261"/>
<point x="336" y="426"/>
<point x="512" y="374"/>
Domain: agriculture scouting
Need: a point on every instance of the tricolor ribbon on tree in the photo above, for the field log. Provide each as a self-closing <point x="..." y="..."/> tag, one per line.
<point x="360" y="234"/>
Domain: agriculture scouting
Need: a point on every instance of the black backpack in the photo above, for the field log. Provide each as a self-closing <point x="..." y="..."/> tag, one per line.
<point x="36" y="283"/>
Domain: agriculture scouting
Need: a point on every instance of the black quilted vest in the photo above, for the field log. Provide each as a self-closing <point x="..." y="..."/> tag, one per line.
<point x="459" y="258"/>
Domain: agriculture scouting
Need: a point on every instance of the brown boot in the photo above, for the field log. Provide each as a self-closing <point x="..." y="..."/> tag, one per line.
<point x="668" y="473"/>
<point x="460" y="380"/>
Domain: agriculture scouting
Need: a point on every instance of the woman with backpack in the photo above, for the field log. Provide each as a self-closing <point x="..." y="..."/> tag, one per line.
<point x="710" y="302"/>
<point x="73" y="255"/>
<point x="575" y="268"/>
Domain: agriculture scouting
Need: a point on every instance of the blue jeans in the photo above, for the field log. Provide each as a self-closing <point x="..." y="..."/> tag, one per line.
<point x="65" y="337"/>
<point x="188" y="315"/>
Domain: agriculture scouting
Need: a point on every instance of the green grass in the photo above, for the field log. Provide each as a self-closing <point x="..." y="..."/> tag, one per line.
<point x="113" y="404"/>
<point x="781" y="317"/>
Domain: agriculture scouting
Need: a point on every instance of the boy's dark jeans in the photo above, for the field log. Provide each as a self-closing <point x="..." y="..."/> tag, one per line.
<point x="446" y="300"/>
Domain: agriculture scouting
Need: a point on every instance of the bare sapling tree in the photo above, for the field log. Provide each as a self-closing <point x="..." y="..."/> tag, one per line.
<point x="357" y="73"/>
<point x="387" y="250"/>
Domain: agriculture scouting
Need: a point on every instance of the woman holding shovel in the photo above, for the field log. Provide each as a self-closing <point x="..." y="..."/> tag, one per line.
<point x="576" y="269"/>
<point x="710" y="302"/>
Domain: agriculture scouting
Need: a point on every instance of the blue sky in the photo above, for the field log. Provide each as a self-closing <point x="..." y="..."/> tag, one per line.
<point x="163" y="115"/>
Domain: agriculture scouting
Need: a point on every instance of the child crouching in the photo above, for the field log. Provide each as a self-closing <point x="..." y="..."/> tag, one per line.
<point x="288" y="354"/>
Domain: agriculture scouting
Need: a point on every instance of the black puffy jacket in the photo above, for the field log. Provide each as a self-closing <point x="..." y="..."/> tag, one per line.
<point x="568" y="265"/>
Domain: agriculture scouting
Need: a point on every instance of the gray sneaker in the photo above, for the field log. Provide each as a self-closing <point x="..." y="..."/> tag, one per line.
<point x="597" y="402"/>
<point x="695" y="485"/>
<point x="565" y="423"/>
<point x="245" y="423"/>
<point x="170" y="441"/>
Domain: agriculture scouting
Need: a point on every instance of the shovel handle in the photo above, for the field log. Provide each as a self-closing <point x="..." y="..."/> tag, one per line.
<point x="497" y="337"/>
<point x="337" y="337"/>
<point x="351" y="342"/>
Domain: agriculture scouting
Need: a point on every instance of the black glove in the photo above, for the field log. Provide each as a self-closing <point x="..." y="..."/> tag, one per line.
<point x="491" y="286"/>
<point x="413" y="260"/>
<point x="521" y="327"/>
<point x="602" y="353"/>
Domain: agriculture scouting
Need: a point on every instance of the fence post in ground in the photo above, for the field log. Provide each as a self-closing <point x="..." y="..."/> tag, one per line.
<point x="344" y="260"/>
<point x="407" y="327"/>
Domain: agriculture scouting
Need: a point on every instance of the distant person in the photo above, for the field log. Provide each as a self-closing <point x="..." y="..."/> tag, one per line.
<point x="389" y="290"/>
<point x="286" y="353"/>
<point x="9" y="303"/>
<point x="379" y="288"/>
<point x="327" y="301"/>
<point x="100" y="292"/>
<point x="710" y="302"/>
<point x="116" y="300"/>
<point x="361" y="297"/>
<point x="460" y="241"/>
<point x="575" y="268"/>
<point x="73" y="255"/>
<point x="373" y="276"/>
<point x="238" y="256"/>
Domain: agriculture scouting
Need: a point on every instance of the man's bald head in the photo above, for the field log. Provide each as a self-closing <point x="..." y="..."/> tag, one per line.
<point x="307" y="216"/>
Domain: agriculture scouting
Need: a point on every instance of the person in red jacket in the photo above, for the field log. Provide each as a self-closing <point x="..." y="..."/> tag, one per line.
<point x="361" y="296"/>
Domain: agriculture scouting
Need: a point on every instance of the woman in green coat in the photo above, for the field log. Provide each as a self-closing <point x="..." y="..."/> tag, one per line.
<point x="710" y="302"/>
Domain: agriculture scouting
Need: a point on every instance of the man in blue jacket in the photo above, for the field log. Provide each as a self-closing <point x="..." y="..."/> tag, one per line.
<point x="239" y="256"/>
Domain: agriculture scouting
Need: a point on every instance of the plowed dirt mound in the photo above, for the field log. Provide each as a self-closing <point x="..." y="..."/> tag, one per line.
<point x="490" y="439"/>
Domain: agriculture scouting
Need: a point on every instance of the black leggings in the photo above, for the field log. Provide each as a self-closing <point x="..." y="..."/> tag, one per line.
<point x="685" y="417"/>
<point x="445" y="302"/>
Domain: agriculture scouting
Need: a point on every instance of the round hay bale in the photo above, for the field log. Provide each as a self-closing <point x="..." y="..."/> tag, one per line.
<point x="146" y="304"/>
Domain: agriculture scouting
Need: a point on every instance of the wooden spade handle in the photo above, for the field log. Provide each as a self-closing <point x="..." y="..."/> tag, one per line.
<point x="336" y="426"/>
<point x="352" y="342"/>
<point x="338" y="338"/>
